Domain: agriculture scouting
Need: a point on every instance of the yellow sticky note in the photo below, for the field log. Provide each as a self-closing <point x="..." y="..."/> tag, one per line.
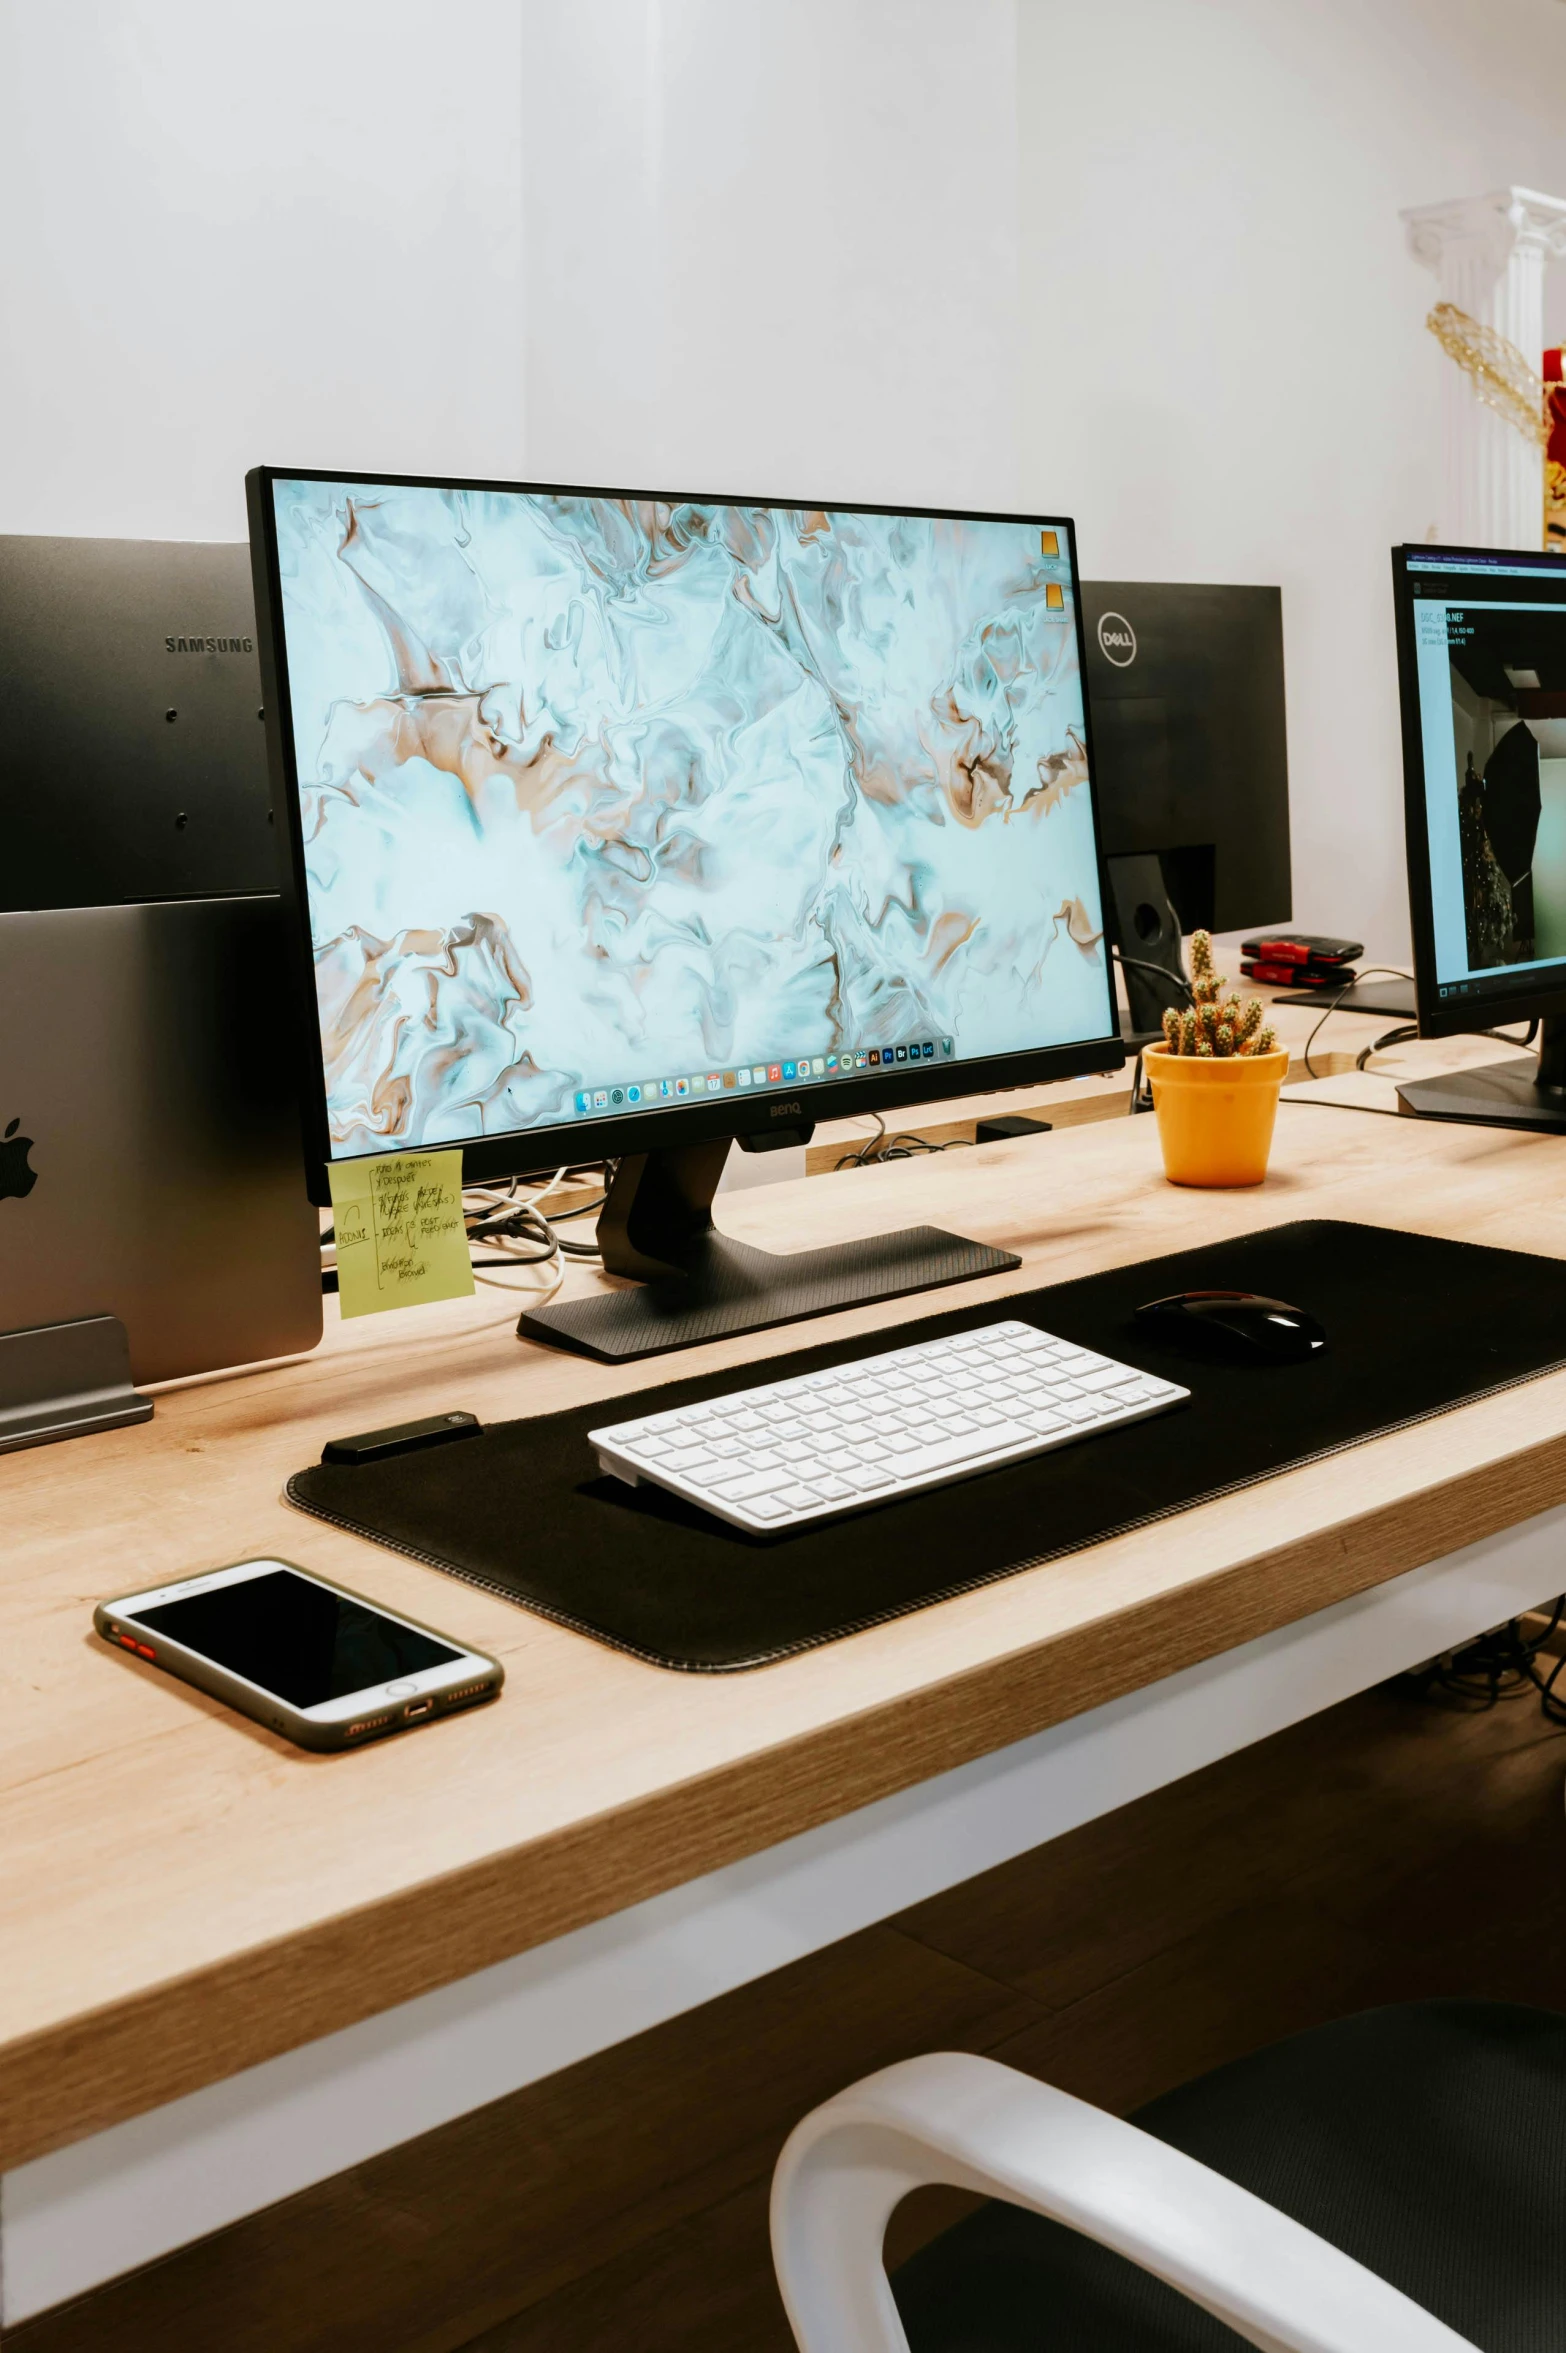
<point x="401" y="1241"/>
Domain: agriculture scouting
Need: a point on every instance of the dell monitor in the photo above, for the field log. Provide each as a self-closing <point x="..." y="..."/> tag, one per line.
<point x="1191" y="768"/>
<point x="1481" y="640"/>
<point x="624" y="824"/>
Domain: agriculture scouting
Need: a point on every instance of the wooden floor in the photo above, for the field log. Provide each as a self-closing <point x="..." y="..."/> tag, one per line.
<point x="1389" y="1849"/>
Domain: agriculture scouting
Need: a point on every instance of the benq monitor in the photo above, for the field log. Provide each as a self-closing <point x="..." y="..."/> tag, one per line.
<point x="625" y="823"/>
<point x="1481" y="636"/>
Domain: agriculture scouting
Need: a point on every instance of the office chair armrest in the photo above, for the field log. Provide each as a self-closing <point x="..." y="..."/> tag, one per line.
<point x="980" y="2126"/>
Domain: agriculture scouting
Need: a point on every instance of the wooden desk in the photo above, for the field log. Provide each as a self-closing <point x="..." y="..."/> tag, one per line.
<point x="187" y="1897"/>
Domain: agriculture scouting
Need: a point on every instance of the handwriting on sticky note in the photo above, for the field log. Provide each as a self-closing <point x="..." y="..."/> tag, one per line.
<point x="401" y="1241"/>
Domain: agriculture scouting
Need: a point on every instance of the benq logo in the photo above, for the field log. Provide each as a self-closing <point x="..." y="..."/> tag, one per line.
<point x="210" y="645"/>
<point x="788" y="1110"/>
<point x="1117" y="640"/>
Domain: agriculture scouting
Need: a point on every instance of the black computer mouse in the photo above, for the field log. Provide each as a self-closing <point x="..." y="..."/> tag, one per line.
<point x="1238" y="1324"/>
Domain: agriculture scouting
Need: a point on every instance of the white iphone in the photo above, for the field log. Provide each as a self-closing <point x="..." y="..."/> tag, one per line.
<point x="307" y="1658"/>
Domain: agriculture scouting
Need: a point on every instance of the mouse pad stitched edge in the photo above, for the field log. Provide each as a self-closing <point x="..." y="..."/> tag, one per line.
<point x="1416" y="1326"/>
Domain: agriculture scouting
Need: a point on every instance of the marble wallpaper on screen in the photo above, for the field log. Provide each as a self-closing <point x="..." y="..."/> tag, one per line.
<point x="597" y="792"/>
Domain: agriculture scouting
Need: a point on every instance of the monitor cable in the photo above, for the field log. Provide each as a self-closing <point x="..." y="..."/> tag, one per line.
<point x="905" y="1145"/>
<point x="1179" y="989"/>
<point x="1164" y="972"/>
<point x="512" y="1226"/>
<point x="1405" y="1030"/>
<point x="1371" y="972"/>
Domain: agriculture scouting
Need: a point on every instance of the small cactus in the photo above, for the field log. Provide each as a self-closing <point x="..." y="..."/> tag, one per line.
<point x="1215" y="1027"/>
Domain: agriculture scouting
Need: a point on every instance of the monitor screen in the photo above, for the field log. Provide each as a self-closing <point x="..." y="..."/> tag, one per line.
<point x="1485" y="635"/>
<point x="610" y="804"/>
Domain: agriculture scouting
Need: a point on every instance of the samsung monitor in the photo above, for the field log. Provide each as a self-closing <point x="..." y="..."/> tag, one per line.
<point x="624" y="824"/>
<point x="1481" y="640"/>
<point x="132" y="750"/>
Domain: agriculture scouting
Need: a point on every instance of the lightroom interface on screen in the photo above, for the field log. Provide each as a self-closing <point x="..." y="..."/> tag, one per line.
<point x="1491" y="645"/>
<point x="609" y="804"/>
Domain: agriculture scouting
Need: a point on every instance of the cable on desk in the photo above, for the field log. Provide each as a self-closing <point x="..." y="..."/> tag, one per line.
<point x="1410" y="1029"/>
<point x="515" y="1226"/>
<point x="1371" y="972"/>
<point x="902" y="1146"/>
<point x="1392" y="1037"/>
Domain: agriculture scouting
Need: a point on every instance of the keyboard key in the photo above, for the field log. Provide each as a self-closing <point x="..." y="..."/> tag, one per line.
<point x="799" y="1498"/>
<point x="747" y="1489"/>
<point x="952" y="1451"/>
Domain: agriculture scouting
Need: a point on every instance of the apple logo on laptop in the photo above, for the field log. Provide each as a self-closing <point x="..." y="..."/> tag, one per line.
<point x="16" y="1178"/>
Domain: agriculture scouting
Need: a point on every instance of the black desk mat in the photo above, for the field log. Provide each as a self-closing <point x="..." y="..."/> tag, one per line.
<point x="1415" y="1326"/>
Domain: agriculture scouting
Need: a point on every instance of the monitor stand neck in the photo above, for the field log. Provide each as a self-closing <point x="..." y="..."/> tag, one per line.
<point x="1552" y="1055"/>
<point x="657" y="1217"/>
<point x="1525" y="1093"/>
<point x="692" y="1283"/>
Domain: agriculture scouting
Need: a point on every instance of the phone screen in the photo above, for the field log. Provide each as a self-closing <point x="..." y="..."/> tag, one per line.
<point x="296" y="1639"/>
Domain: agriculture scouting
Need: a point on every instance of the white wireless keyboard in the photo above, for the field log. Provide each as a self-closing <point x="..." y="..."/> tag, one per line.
<point x="775" y="1457"/>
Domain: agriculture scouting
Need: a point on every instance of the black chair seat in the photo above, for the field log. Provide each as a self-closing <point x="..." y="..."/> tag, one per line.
<point x="1427" y="2141"/>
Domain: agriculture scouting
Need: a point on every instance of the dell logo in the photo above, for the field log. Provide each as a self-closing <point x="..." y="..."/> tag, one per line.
<point x="788" y="1110"/>
<point x="1117" y="640"/>
<point x="210" y="645"/>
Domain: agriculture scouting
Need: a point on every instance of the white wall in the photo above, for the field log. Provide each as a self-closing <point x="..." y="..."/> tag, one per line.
<point x="289" y="235"/>
<point x="1139" y="260"/>
<point x="773" y="247"/>
<point x="1226" y="367"/>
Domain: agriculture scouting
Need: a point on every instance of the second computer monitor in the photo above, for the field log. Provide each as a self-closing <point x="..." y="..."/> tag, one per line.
<point x="1482" y="665"/>
<point x="1185" y="683"/>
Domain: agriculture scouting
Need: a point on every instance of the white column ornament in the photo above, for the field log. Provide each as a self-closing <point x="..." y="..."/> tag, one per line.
<point x="1489" y="255"/>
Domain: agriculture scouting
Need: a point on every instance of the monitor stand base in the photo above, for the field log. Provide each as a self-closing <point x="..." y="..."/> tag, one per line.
<point x="694" y="1284"/>
<point x="66" y="1381"/>
<point x="1365" y="996"/>
<point x="1500" y="1094"/>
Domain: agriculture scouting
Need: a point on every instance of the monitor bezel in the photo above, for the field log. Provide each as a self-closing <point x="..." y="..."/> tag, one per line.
<point x="585" y="1142"/>
<point x="1532" y="1001"/>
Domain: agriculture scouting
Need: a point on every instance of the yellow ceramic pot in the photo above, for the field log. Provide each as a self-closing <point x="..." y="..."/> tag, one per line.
<point x="1215" y="1116"/>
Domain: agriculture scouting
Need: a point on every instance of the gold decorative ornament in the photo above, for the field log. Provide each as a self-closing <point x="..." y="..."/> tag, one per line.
<point x="1502" y="378"/>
